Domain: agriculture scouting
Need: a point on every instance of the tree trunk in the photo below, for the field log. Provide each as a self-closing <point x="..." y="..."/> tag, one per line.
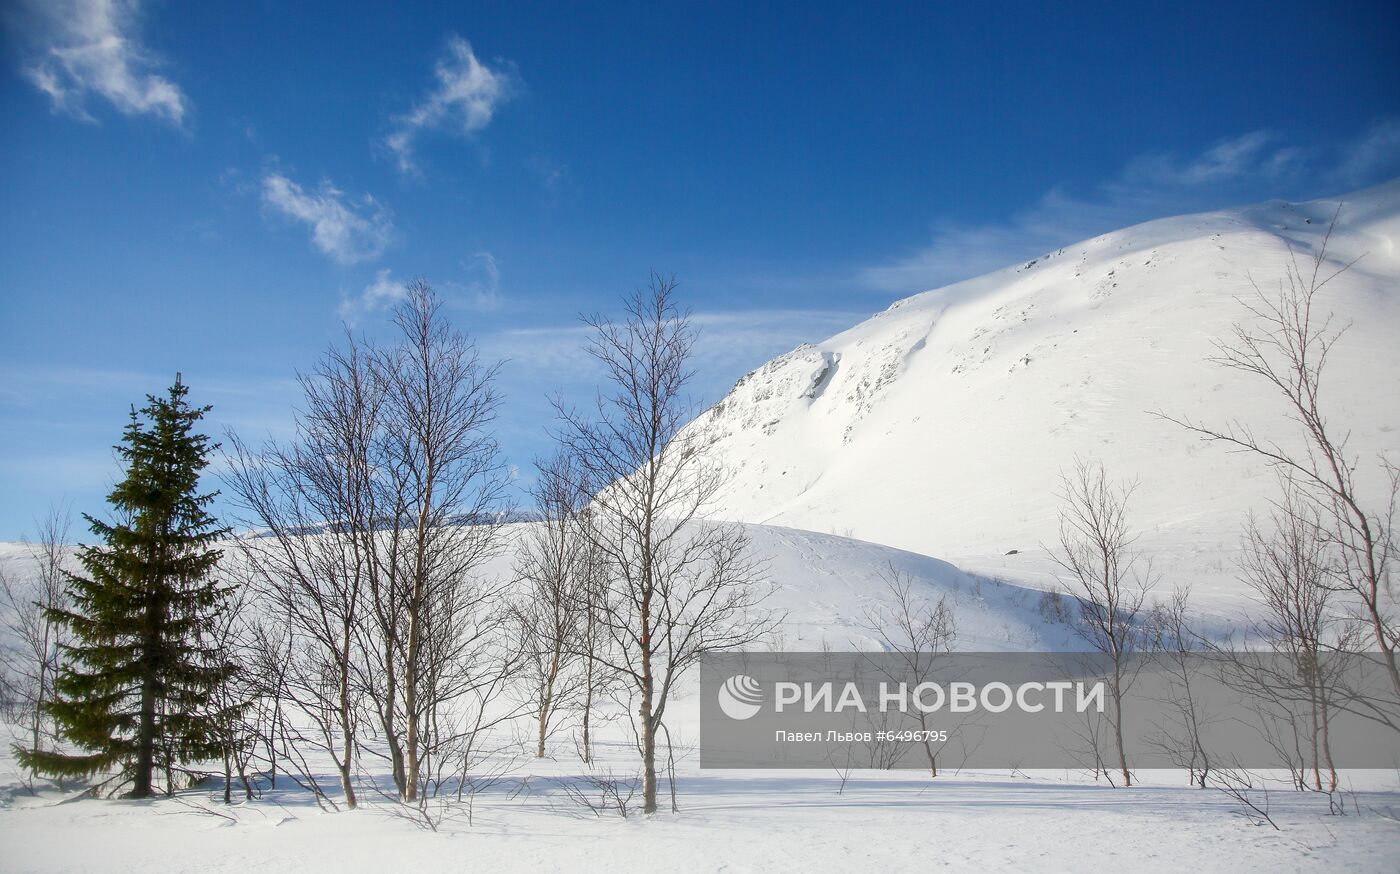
<point x="146" y="731"/>
<point x="1316" y="730"/>
<point x="647" y="723"/>
<point x="587" y="711"/>
<point x="272" y="738"/>
<point x="588" y="670"/>
<point x="648" y="686"/>
<point x="417" y="605"/>
<point x="928" y="746"/>
<point x="1118" y="724"/>
<point x="43" y="693"/>
<point x="648" y="753"/>
<point x="410" y="701"/>
<point x="145" y="741"/>
<point x="1325" y="741"/>
<point x="391" y="738"/>
<point x="410" y="694"/>
<point x="345" y="785"/>
<point x="396" y="758"/>
<point x="547" y="700"/>
<point x="348" y="748"/>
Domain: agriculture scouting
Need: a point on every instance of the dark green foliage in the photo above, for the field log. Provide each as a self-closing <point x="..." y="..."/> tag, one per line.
<point x="136" y="686"/>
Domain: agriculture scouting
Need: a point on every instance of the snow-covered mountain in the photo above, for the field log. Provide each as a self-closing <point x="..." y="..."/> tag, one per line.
<point x="941" y="425"/>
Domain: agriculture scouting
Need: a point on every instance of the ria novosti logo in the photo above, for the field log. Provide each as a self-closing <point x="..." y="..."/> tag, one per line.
<point x="1022" y="710"/>
<point x="740" y="697"/>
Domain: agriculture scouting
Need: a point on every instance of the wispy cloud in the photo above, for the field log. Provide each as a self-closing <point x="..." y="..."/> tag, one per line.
<point x="382" y="293"/>
<point x="92" y="47"/>
<point x="37" y="384"/>
<point x="464" y="100"/>
<point x="729" y="344"/>
<point x="478" y="291"/>
<point x="1252" y="156"/>
<point x="1235" y="170"/>
<point x="552" y="174"/>
<point x="548" y="361"/>
<point x="1374" y="154"/>
<point x="346" y="231"/>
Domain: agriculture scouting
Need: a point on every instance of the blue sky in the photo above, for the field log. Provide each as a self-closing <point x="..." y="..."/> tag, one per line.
<point x="218" y="188"/>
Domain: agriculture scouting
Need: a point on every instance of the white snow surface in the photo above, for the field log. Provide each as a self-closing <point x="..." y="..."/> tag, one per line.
<point x="729" y="822"/>
<point x="733" y="821"/>
<point x="942" y="424"/>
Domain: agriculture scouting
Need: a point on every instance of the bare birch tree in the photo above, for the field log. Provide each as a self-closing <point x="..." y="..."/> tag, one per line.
<point x="312" y="557"/>
<point x="1286" y="345"/>
<point x="447" y="483"/>
<point x="1178" y="647"/>
<point x="377" y="520"/>
<point x="1286" y="563"/>
<point x="598" y="680"/>
<point x="30" y="664"/>
<point x="677" y="587"/>
<point x="234" y="703"/>
<point x="916" y="631"/>
<point x="1096" y="551"/>
<point x="552" y="563"/>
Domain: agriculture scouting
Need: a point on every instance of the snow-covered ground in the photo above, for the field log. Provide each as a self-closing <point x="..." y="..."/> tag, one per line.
<point x="739" y="820"/>
<point x="730" y="821"/>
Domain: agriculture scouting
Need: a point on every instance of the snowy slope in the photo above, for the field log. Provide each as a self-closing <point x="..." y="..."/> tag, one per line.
<point x="826" y="585"/>
<point x="942" y="424"/>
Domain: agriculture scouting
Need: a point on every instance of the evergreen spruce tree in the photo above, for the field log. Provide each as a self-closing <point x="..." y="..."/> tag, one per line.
<point x="136" y="689"/>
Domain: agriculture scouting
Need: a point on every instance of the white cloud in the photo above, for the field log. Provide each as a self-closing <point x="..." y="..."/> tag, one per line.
<point x="552" y="174"/>
<point x="1250" y="156"/>
<point x="1374" y="153"/>
<point x="464" y="100"/>
<point x="729" y="344"/>
<point x="479" y="292"/>
<point x="1252" y="166"/>
<point x="482" y="289"/>
<point x="382" y="293"/>
<point x="343" y="231"/>
<point x="91" y="47"/>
